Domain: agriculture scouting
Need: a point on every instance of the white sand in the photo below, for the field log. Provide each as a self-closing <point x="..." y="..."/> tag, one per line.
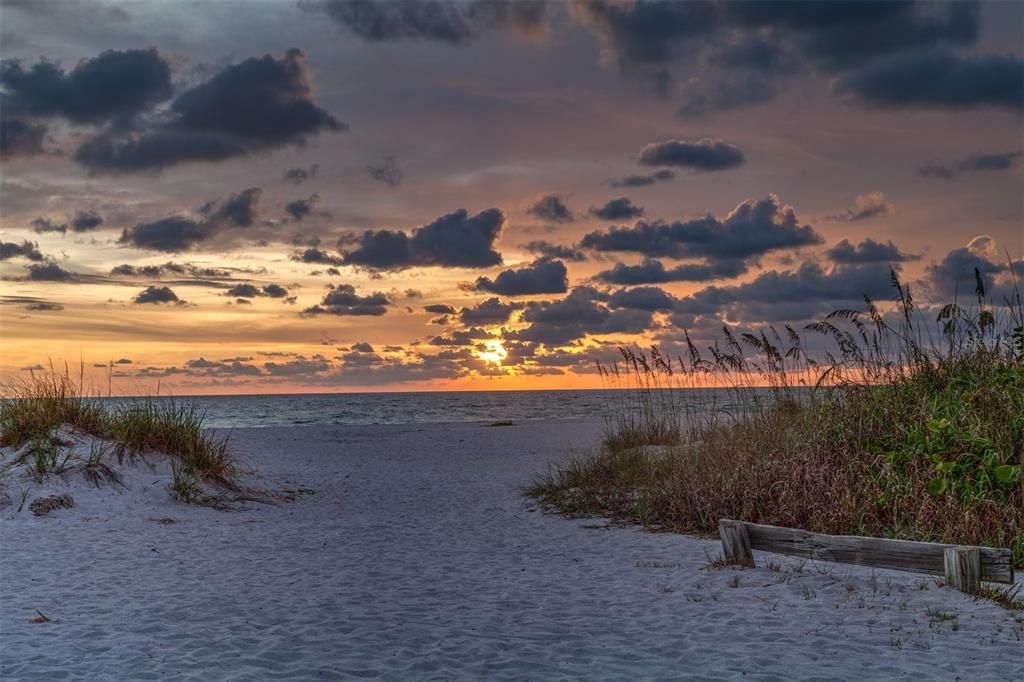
<point x="416" y="558"/>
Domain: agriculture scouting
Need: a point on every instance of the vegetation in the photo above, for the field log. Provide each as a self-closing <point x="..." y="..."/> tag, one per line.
<point x="37" y="407"/>
<point x="896" y="426"/>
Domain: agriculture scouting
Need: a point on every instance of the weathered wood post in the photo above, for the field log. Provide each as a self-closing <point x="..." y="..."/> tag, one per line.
<point x="736" y="543"/>
<point x="963" y="568"/>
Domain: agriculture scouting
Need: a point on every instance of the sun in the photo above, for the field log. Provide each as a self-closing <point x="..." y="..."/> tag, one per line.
<point x="494" y="354"/>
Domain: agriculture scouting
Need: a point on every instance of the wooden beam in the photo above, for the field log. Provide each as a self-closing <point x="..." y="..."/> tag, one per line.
<point x="900" y="555"/>
<point x="963" y="568"/>
<point x="735" y="543"/>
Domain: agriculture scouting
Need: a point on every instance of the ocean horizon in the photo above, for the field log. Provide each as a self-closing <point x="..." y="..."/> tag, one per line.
<point x="418" y="407"/>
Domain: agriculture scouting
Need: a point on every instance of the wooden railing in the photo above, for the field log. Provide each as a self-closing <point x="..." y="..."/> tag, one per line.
<point x="964" y="567"/>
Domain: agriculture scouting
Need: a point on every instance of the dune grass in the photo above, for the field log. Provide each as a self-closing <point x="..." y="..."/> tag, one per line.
<point x="899" y="426"/>
<point x="35" y="407"/>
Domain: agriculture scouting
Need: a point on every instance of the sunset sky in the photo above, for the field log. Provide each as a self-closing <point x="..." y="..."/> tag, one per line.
<point x="277" y="196"/>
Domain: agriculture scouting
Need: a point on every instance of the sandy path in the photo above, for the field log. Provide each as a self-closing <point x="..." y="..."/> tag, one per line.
<point x="417" y="559"/>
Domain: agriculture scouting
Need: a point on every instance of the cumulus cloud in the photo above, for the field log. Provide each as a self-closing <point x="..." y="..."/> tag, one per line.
<point x="157" y="294"/>
<point x="751" y="229"/>
<point x="456" y="240"/>
<point x="440" y="309"/>
<point x="1003" y="161"/>
<point x="442" y="21"/>
<point x="704" y="155"/>
<point x="20" y="138"/>
<point x="256" y="105"/>
<point x="868" y="251"/>
<point x="319" y="256"/>
<point x="387" y="172"/>
<point x="83" y="221"/>
<point x="490" y="311"/>
<point x="342" y="299"/>
<point x="181" y="233"/>
<point x="551" y="208"/>
<point x="543" y="276"/>
<point x="866" y="206"/>
<point x="48" y="272"/>
<point x="26" y="249"/>
<point x="583" y="312"/>
<point x="301" y="208"/>
<point x="941" y="80"/>
<point x="954" y="276"/>
<point x="170" y="269"/>
<point x="651" y="271"/>
<point x="247" y="290"/>
<point x="621" y="208"/>
<point x="560" y="251"/>
<point x="643" y="180"/>
<point x="114" y="85"/>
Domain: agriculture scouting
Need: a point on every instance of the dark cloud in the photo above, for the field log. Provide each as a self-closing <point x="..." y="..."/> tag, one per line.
<point x="300" y="174"/>
<point x="866" y="206"/>
<point x="954" y="276"/>
<point x="462" y="337"/>
<point x="757" y="53"/>
<point x="443" y="21"/>
<point x="180" y="233"/>
<point x="643" y="180"/>
<point x="704" y="155"/>
<point x="583" y="312"/>
<point x="301" y="208"/>
<point x="551" y="208"/>
<point x="259" y="104"/>
<point x="48" y="272"/>
<point x="543" y="276"/>
<point x="621" y="208"/>
<point x="20" y="138"/>
<point x="868" y="251"/>
<point x="979" y="162"/>
<point x="560" y="251"/>
<point x="941" y="80"/>
<point x="83" y="221"/>
<point x="157" y="294"/>
<point x="318" y="256"/>
<point x="25" y="249"/>
<point x="246" y="290"/>
<point x="795" y="295"/>
<point x="642" y="298"/>
<point x="342" y="299"/>
<point x="440" y="309"/>
<point x="490" y="311"/>
<point x="654" y="272"/>
<point x="456" y="240"/>
<point x="647" y="33"/>
<point x="387" y="172"/>
<point x="170" y="269"/>
<point x="114" y="85"/>
<point x="751" y="229"/>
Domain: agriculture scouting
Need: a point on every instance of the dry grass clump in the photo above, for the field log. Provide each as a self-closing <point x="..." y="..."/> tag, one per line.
<point x="893" y="434"/>
<point x="35" y="408"/>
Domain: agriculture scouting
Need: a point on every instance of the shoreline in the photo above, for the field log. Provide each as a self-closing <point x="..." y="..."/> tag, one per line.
<point x="416" y="556"/>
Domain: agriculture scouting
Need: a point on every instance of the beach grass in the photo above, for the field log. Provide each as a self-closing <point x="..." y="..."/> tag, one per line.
<point x="34" y="408"/>
<point x="898" y="425"/>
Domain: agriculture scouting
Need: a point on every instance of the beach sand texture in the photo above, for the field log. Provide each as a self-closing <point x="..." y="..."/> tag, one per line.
<point x="417" y="558"/>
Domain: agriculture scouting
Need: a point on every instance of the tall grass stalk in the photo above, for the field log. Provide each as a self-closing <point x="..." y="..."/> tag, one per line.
<point x="886" y="424"/>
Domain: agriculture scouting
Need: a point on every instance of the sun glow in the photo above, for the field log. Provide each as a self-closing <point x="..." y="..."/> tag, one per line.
<point x="494" y="354"/>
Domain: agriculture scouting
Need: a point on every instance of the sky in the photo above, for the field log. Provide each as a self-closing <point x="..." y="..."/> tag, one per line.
<point x="273" y="196"/>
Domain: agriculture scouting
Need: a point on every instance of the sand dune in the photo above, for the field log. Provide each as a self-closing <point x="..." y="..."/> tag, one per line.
<point x="416" y="558"/>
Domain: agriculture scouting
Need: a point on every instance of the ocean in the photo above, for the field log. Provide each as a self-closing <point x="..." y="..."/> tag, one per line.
<point x="424" y="407"/>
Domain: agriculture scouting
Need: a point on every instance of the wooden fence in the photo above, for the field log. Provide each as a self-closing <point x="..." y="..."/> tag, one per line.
<point x="964" y="567"/>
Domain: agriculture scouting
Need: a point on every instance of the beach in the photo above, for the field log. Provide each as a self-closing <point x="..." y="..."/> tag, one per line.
<point x="409" y="552"/>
